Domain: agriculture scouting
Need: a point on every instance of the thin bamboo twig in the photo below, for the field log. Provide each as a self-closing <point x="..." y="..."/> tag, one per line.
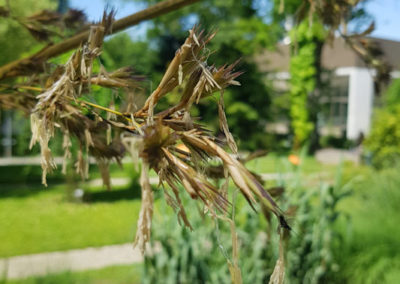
<point x="29" y="88"/>
<point x="105" y="109"/>
<point x="15" y="68"/>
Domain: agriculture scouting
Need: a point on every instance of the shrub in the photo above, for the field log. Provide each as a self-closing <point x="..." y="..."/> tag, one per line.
<point x="392" y="95"/>
<point x="372" y="254"/>
<point x="199" y="256"/>
<point x="384" y="140"/>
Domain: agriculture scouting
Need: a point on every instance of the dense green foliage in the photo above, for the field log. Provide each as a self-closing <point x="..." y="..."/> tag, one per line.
<point x="242" y="30"/>
<point x="304" y="70"/>
<point x="383" y="142"/>
<point x="120" y="51"/>
<point x="200" y="256"/>
<point x="372" y="253"/>
<point x="336" y="238"/>
<point x="392" y="94"/>
<point x="16" y="41"/>
<point x="14" y="38"/>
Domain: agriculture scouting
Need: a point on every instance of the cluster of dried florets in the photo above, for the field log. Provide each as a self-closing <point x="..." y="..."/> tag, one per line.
<point x="57" y="106"/>
<point x="169" y="141"/>
<point x="46" y="24"/>
<point x="13" y="98"/>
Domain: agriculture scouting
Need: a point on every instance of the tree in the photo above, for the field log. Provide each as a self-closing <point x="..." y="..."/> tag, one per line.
<point x="305" y="81"/>
<point x="14" y="38"/>
<point x="242" y="32"/>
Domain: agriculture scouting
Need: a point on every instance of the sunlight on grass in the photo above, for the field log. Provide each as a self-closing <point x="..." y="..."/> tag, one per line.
<point x="273" y="163"/>
<point x="38" y="220"/>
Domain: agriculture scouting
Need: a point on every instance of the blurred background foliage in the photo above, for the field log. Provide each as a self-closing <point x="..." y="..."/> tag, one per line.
<point x="244" y="28"/>
<point x="383" y="142"/>
<point x="14" y="38"/>
<point x="371" y="253"/>
<point x="306" y="72"/>
<point x="242" y="31"/>
<point x="344" y="230"/>
<point x="310" y="250"/>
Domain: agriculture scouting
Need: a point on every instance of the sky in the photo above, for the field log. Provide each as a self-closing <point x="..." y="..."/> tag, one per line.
<point x="94" y="10"/>
<point x="387" y="18"/>
<point x="385" y="12"/>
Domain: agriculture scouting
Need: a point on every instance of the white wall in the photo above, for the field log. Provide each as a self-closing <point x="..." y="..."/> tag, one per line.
<point x="360" y="102"/>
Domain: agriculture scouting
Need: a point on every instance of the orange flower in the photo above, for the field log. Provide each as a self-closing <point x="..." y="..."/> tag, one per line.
<point x="294" y="159"/>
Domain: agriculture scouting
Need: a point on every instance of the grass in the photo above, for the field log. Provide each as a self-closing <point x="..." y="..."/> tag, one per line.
<point x="32" y="174"/>
<point x="273" y="163"/>
<point x="115" y="274"/>
<point x="372" y="250"/>
<point x="36" y="219"/>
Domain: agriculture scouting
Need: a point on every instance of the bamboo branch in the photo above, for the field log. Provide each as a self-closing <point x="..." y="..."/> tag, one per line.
<point x="29" y="64"/>
<point x="104" y="108"/>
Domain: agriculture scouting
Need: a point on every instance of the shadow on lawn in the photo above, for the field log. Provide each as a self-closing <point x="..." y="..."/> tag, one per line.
<point x="131" y="192"/>
<point x="22" y="181"/>
<point x="23" y="189"/>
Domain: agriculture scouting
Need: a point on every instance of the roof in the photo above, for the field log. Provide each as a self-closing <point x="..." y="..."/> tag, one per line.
<point x="337" y="54"/>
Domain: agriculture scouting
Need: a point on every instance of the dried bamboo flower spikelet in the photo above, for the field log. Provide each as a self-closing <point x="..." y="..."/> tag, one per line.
<point x="172" y="143"/>
<point x="162" y="134"/>
<point x="146" y="210"/>
<point x="54" y="107"/>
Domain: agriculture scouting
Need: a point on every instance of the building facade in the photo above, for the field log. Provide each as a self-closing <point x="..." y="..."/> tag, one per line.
<point x="348" y="107"/>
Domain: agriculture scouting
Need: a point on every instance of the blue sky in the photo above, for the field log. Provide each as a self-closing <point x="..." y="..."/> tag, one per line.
<point x="94" y="10"/>
<point x="385" y="12"/>
<point x="387" y="18"/>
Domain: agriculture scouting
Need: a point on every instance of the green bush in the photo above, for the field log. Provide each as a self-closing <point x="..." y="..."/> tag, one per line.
<point x="383" y="142"/>
<point x="372" y="254"/>
<point x="384" y="139"/>
<point x="336" y="142"/>
<point x="392" y="95"/>
<point x="304" y="77"/>
<point x="200" y="256"/>
<point x="27" y="174"/>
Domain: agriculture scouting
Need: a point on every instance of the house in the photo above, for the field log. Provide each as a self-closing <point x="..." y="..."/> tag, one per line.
<point x="349" y="107"/>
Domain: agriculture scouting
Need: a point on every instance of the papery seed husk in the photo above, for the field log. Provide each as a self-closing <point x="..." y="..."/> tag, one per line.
<point x="146" y="211"/>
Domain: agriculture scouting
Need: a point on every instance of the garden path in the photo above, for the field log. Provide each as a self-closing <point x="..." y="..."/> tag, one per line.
<point x="72" y="260"/>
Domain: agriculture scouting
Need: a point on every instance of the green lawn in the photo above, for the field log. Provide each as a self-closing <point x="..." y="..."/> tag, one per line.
<point x="129" y="274"/>
<point x="273" y="163"/>
<point x="38" y="219"/>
